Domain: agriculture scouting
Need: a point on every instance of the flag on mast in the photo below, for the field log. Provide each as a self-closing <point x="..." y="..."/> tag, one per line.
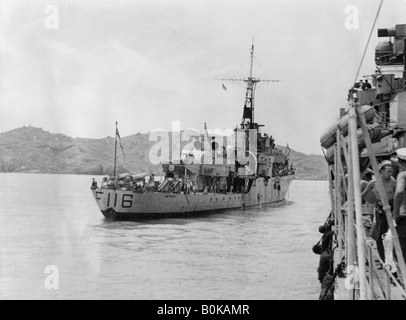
<point x="287" y="150"/>
<point x="119" y="140"/>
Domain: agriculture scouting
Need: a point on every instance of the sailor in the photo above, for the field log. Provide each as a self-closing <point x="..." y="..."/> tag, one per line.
<point x="178" y="185"/>
<point x="104" y="183"/>
<point x="110" y="183"/>
<point x="152" y="181"/>
<point x="212" y="185"/>
<point x="367" y="177"/>
<point x="368" y="201"/>
<point x="189" y="185"/>
<point x="366" y="85"/>
<point x="94" y="183"/>
<point x="224" y="185"/>
<point x="130" y="182"/>
<point x="389" y="185"/>
<point x="399" y="206"/>
<point x="358" y="85"/>
<point x="395" y="165"/>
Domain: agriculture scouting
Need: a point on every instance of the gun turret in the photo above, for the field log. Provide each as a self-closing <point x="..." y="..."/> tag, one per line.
<point x="399" y="31"/>
<point x="388" y="53"/>
<point x="387" y="32"/>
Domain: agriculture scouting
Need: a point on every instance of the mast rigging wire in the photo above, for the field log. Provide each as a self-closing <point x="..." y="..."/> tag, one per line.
<point x="369" y="38"/>
<point x="366" y="46"/>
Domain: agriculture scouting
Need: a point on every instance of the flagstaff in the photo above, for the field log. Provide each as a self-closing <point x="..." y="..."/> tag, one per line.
<point x="115" y="158"/>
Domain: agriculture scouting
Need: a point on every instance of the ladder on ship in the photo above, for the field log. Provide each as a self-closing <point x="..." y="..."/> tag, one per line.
<point x="362" y="278"/>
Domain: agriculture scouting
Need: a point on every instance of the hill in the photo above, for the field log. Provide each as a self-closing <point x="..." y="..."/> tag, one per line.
<point x="34" y="150"/>
<point x="309" y="167"/>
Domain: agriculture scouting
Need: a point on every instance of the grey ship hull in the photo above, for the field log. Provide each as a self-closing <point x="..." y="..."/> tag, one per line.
<point x="127" y="204"/>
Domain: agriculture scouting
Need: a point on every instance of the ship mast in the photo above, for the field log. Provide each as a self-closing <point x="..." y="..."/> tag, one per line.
<point x="247" y="121"/>
<point x="250" y="95"/>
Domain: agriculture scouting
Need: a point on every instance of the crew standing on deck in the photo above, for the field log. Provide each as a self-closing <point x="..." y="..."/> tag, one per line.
<point x="399" y="206"/>
<point x="389" y="185"/>
<point x="189" y="185"/>
<point x="369" y="201"/>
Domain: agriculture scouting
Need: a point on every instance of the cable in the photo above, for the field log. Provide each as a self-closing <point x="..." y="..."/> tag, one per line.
<point x="369" y="38"/>
<point x="366" y="47"/>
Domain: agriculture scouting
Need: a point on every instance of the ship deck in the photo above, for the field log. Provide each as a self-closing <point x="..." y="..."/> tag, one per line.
<point x="379" y="286"/>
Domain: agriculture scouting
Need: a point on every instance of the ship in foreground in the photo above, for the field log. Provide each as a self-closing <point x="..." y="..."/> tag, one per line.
<point x="361" y="255"/>
<point x="230" y="172"/>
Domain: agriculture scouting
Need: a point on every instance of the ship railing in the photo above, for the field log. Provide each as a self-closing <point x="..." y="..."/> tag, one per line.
<point x="346" y="204"/>
<point x="381" y="279"/>
<point x="384" y="279"/>
<point x="382" y="284"/>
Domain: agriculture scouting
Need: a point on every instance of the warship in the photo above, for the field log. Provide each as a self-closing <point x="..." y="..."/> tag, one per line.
<point x="357" y="147"/>
<point x="237" y="171"/>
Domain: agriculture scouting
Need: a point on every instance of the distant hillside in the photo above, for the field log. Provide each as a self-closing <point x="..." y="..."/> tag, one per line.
<point x="309" y="167"/>
<point x="30" y="149"/>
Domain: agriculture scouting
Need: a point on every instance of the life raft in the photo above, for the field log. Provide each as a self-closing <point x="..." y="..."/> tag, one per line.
<point x="376" y="133"/>
<point x="329" y="136"/>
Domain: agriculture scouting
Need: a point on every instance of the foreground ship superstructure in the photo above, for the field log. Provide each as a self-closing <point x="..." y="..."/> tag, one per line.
<point x="229" y="172"/>
<point x="361" y="255"/>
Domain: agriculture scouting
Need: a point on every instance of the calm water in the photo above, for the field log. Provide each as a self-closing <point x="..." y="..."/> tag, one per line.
<point x="53" y="220"/>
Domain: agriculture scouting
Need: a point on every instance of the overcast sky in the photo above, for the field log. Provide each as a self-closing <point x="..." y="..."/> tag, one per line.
<point x="75" y="67"/>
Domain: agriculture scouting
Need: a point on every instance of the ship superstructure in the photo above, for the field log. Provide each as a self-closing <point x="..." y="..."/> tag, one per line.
<point x="368" y="133"/>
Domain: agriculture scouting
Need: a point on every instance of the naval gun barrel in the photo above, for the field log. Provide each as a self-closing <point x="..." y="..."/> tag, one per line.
<point x="399" y="32"/>
<point x="387" y="32"/>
